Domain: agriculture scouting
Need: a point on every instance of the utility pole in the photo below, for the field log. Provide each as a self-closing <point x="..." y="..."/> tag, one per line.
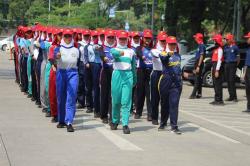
<point x="49" y="9"/>
<point x="69" y="7"/>
<point x="152" y="15"/>
<point x="238" y="20"/>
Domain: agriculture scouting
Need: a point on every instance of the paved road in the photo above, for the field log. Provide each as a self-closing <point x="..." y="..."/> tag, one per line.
<point x="211" y="135"/>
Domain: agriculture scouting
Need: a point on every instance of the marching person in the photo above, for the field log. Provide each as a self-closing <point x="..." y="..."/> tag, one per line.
<point x="170" y="84"/>
<point x="144" y="71"/>
<point x="247" y="73"/>
<point x="81" y="94"/>
<point x="217" y="69"/>
<point x="155" y="76"/>
<point x="66" y="80"/>
<point x="123" y="80"/>
<point x="134" y="43"/>
<point x="92" y="63"/>
<point x="198" y="67"/>
<point x="105" y="77"/>
<point x="232" y="60"/>
<point x="52" y="76"/>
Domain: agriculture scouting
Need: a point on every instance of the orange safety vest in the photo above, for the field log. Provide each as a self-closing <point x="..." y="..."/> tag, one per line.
<point x="215" y="55"/>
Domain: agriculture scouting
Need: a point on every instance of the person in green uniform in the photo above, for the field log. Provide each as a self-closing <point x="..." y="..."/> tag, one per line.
<point x="123" y="80"/>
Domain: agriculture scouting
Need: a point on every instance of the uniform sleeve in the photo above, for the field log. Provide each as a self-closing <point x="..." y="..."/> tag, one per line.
<point x="202" y="50"/>
<point x="116" y="54"/>
<point x="165" y="59"/>
<point x="155" y="53"/>
<point x="134" y="70"/>
<point x="220" y="54"/>
<point x="237" y="51"/>
<point x="139" y="52"/>
<point x="86" y="55"/>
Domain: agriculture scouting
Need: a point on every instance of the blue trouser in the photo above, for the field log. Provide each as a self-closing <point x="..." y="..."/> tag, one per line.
<point x="66" y="91"/>
<point x="24" y="74"/>
<point x="92" y="76"/>
<point x="170" y="87"/>
<point x="38" y="77"/>
<point x="155" y="97"/>
<point x="81" y="87"/>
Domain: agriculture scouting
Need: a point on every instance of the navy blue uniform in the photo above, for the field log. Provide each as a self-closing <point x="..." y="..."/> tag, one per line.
<point x="105" y="82"/>
<point x="143" y="78"/>
<point x="201" y="51"/>
<point x="231" y="57"/>
<point x="170" y="87"/>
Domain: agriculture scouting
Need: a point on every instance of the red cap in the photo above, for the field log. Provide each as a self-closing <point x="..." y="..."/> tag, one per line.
<point x="162" y="35"/>
<point x="94" y="33"/>
<point x="26" y="29"/>
<point x="198" y="36"/>
<point x="67" y="31"/>
<point x="109" y="33"/>
<point x="122" y="34"/>
<point x="74" y="30"/>
<point x="147" y="33"/>
<point x="86" y="32"/>
<point x="101" y="31"/>
<point x="247" y="35"/>
<point x="229" y="36"/>
<point x="218" y="39"/>
<point x="171" y="40"/>
<point x="135" y="33"/>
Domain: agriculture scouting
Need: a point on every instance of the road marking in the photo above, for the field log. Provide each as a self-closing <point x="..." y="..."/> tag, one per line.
<point x="222" y="114"/>
<point x="216" y="123"/>
<point x="214" y="133"/>
<point x="117" y="140"/>
<point x="223" y="117"/>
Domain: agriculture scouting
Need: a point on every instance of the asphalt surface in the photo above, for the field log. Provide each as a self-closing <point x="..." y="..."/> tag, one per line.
<point x="212" y="135"/>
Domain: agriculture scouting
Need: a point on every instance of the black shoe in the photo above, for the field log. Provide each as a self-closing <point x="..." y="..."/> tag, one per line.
<point x="149" y="118"/>
<point x="176" y="131"/>
<point x="246" y="111"/>
<point x="137" y="116"/>
<point x="38" y="103"/>
<point x="54" y="119"/>
<point x="70" y="128"/>
<point x="198" y="96"/>
<point x="155" y="122"/>
<point x="221" y="103"/>
<point x="105" y="120"/>
<point x="161" y="127"/>
<point x="61" y="125"/>
<point x="97" y="115"/>
<point x="113" y="126"/>
<point x="44" y="110"/>
<point x="126" y="130"/>
<point x="230" y="99"/>
<point x="89" y="110"/>
<point x="80" y="106"/>
<point x="29" y="96"/>
<point x="47" y="114"/>
<point x="33" y="99"/>
<point x="192" y="97"/>
<point x="39" y="106"/>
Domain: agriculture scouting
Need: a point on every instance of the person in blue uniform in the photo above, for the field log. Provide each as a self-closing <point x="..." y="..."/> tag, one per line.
<point x="232" y="60"/>
<point x="105" y="77"/>
<point x="170" y="84"/>
<point x="81" y="98"/>
<point x="92" y="62"/>
<point x="198" y="67"/>
<point x="247" y="73"/>
<point x="66" y="80"/>
<point x="143" y="75"/>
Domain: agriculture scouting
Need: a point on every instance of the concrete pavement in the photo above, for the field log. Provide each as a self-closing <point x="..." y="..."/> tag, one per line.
<point x="211" y="135"/>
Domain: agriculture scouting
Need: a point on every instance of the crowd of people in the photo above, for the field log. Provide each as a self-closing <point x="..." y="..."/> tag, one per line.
<point x="111" y="73"/>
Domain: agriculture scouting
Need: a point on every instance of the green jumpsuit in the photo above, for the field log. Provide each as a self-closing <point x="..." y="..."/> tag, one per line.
<point x="123" y="80"/>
